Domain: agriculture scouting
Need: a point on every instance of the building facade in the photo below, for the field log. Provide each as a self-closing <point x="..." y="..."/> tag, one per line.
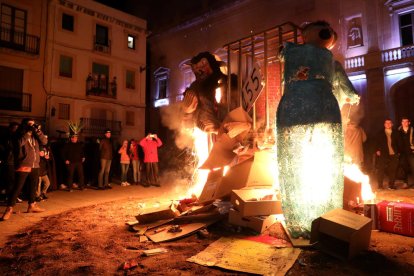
<point x="375" y="46"/>
<point x="89" y="68"/>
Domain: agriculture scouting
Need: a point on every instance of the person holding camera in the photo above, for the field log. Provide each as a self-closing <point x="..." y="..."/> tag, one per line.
<point x="150" y="145"/>
<point x="27" y="157"/>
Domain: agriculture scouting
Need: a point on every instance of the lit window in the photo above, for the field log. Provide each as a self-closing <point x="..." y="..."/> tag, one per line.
<point x="65" y="66"/>
<point x="130" y="118"/>
<point x="64" y="111"/>
<point x="130" y="79"/>
<point x="161" y="79"/>
<point x="406" y="28"/>
<point x="67" y="22"/>
<point x="131" y="42"/>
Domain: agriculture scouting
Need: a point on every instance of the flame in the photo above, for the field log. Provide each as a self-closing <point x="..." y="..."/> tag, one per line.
<point x="201" y="150"/>
<point x="353" y="172"/>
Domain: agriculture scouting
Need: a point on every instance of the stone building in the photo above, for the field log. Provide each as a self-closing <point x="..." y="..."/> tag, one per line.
<point x="73" y="60"/>
<point x="375" y="46"/>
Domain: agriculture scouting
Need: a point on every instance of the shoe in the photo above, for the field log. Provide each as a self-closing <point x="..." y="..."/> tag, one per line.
<point x="19" y="200"/>
<point x="127" y="184"/>
<point x="101" y="188"/>
<point x="44" y="196"/>
<point x="75" y="186"/>
<point x="123" y="184"/>
<point x="108" y="187"/>
<point x="38" y="199"/>
<point x="7" y="213"/>
<point x="63" y="187"/>
<point x="392" y="188"/>
<point x="33" y="208"/>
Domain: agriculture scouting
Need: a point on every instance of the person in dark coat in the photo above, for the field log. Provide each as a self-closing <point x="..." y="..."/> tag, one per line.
<point x="26" y="157"/>
<point x="7" y="159"/>
<point x="406" y="133"/>
<point x="74" y="156"/>
<point x="387" y="154"/>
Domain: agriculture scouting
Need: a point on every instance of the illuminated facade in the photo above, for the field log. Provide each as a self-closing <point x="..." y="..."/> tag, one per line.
<point x="87" y="68"/>
<point x="375" y="46"/>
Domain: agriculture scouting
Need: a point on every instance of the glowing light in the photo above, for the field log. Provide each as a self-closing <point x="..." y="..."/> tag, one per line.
<point x="357" y="77"/>
<point x="310" y="173"/>
<point x="397" y="71"/>
<point x="225" y="170"/>
<point x="218" y="95"/>
<point x="161" y="102"/>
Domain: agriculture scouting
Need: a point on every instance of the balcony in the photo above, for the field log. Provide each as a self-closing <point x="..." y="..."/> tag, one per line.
<point x="97" y="85"/>
<point x="19" y="41"/>
<point x="15" y="101"/>
<point x="389" y="57"/>
<point x="97" y="127"/>
<point x="101" y="46"/>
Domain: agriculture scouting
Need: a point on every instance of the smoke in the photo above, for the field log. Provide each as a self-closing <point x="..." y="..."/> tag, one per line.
<point x="172" y="117"/>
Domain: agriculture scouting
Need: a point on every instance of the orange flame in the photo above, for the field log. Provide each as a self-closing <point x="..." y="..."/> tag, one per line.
<point x="353" y="172"/>
<point x="201" y="150"/>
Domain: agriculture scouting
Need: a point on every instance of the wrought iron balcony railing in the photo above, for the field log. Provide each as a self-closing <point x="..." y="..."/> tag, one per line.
<point x="15" y="101"/>
<point x="97" y="127"/>
<point x="19" y="41"/>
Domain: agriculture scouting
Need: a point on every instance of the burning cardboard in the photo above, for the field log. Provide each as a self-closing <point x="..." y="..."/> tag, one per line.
<point x="157" y="213"/>
<point x="256" y="202"/>
<point x="341" y="233"/>
<point x="255" y="171"/>
<point x="257" y="223"/>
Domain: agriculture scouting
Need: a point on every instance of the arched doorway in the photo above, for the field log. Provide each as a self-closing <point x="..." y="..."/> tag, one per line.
<point x="403" y="99"/>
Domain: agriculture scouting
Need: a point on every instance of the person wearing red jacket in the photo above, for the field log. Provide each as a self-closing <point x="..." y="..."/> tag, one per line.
<point x="150" y="145"/>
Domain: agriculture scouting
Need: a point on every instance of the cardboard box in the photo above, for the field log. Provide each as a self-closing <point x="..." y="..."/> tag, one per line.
<point x="156" y="213"/>
<point x="257" y="223"/>
<point x="341" y="233"/>
<point x="396" y="217"/>
<point x="254" y="202"/>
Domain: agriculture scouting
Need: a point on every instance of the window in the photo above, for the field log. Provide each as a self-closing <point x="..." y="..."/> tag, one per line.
<point x="64" y="111"/>
<point x="65" y="66"/>
<point x="406" y="28"/>
<point x="67" y="22"/>
<point x="130" y="118"/>
<point x="131" y="42"/>
<point x="13" y="22"/>
<point x="11" y="88"/>
<point x="161" y="81"/>
<point x="130" y="79"/>
<point x="102" y="35"/>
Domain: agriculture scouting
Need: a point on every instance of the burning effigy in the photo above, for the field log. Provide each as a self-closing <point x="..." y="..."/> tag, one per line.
<point x="309" y="131"/>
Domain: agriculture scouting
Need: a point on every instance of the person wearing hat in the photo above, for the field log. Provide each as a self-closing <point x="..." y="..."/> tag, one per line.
<point x="74" y="156"/>
<point x="106" y="153"/>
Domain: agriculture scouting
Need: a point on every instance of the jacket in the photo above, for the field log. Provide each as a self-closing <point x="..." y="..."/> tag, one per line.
<point x="106" y="149"/>
<point x="27" y="149"/>
<point x="150" y="147"/>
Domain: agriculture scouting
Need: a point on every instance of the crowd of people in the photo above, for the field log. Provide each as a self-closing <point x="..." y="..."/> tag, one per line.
<point x="31" y="164"/>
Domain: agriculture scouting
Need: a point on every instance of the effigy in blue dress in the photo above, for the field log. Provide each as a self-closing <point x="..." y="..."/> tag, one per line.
<point x="309" y="136"/>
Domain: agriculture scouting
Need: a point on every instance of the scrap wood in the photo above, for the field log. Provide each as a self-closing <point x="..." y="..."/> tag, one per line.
<point x="163" y="235"/>
<point x="154" y="251"/>
<point x="142" y="228"/>
<point x="247" y="256"/>
<point x="213" y="215"/>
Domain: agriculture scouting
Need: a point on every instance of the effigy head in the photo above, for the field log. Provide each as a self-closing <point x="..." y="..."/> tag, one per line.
<point x="319" y="33"/>
<point x="205" y="64"/>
